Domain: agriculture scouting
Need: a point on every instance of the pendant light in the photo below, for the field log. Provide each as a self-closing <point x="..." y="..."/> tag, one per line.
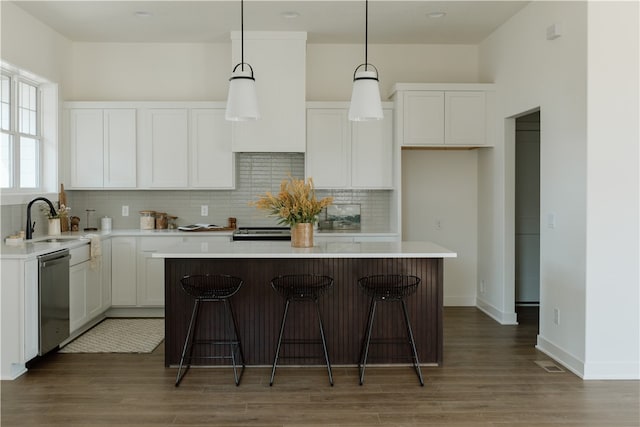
<point x="242" y="102"/>
<point x="365" y="97"/>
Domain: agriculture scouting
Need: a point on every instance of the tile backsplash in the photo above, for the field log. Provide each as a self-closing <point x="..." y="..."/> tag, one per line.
<point x="256" y="173"/>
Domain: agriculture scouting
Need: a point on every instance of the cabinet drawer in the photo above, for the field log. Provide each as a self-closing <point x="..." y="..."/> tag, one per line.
<point x="151" y="244"/>
<point x="79" y="255"/>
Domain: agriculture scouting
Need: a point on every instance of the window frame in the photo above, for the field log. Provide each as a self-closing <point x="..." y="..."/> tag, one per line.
<point x="47" y="136"/>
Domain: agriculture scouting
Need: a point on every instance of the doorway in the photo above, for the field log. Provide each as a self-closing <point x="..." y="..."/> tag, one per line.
<point x="527" y="210"/>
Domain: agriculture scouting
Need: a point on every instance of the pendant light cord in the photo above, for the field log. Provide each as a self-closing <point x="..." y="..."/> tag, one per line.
<point x="366" y="32"/>
<point x="242" y="34"/>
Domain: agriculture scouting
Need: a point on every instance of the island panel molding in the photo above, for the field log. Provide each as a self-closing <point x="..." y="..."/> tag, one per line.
<point x="344" y="308"/>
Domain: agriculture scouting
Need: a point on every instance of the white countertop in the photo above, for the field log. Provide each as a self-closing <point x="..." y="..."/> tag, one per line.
<point x="320" y="250"/>
<point x="38" y="246"/>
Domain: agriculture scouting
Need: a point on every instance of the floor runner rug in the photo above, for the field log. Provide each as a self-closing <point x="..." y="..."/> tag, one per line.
<point x="119" y="336"/>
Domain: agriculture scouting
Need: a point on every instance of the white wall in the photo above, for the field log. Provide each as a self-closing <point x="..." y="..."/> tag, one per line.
<point x="440" y="204"/>
<point x="30" y="45"/>
<point x="613" y="192"/>
<point x="150" y="71"/>
<point x="529" y="72"/>
<point x="200" y="71"/>
<point x="330" y="67"/>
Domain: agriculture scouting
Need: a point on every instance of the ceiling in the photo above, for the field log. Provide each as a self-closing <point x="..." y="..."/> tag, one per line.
<point x="390" y="22"/>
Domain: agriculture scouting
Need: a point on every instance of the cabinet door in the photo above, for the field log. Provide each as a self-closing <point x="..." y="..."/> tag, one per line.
<point x="78" y="279"/>
<point x="150" y="280"/>
<point x="151" y="270"/>
<point x="123" y="271"/>
<point x="119" y="148"/>
<point x="164" y="148"/>
<point x="31" y="326"/>
<point x="93" y="300"/>
<point x="465" y="121"/>
<point x="328" y="156"/>
<point x="106" y="274"/>
<point x="423" y="118"/>
<point x="372" y="153"/>
<point x="86" y="134"/>
<point x="279" y="66"/>
<point x="212" y="161"/>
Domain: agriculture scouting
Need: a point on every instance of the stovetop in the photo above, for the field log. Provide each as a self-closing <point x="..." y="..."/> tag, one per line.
<point x="262" y="233"/>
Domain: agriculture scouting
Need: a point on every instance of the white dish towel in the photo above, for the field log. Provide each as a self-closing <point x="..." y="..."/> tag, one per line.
<point x="95" y="251"/>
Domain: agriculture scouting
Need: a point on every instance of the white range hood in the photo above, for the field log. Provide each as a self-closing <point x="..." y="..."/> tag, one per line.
<point x="279" y="63"/>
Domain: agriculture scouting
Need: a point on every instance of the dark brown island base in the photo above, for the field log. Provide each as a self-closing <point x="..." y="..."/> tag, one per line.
<point x="258" y="307"/>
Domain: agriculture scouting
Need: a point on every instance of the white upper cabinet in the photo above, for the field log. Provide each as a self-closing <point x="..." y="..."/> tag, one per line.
<point x="163" y="148"/>
<point x="445" y="114"/>
<point x="212" y="161"/>
<point x="423" y="118"/>
<point x="279" y="63"/>
<point x="102" y="147"/>
<point x="465" y="118"/>
<point x="149" y="145"/>
<point x="328" y="142"/>
<point x="348" y="155"/>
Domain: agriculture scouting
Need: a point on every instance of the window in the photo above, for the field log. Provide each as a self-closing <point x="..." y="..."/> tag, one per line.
<point x="20" y="127"/>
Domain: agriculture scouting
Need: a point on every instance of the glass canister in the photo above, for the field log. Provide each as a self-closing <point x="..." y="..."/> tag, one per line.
<point x="173" y="224"/>
<point x="147" y="220"/>
<point x="161" y="220"/>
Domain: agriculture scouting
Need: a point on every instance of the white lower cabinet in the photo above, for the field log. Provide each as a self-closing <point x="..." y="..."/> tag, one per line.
<point x="106" y="274"/>
<point x="150" y="286"/>
<point x="85" y="289"/>
<point x="31" y="324"/>
<point x="137" y="279"/>
<point x="123" y="271"/>
<point x="18" y="316"/>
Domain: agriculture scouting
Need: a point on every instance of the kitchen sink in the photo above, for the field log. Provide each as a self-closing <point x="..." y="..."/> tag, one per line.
<point x="58" y="239"/>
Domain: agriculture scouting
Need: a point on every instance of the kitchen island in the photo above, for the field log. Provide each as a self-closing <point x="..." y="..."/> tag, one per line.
<point x="344" y="308"/>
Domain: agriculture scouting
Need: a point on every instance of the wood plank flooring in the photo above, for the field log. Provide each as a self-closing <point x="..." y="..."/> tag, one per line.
<point x="489" y="378"/>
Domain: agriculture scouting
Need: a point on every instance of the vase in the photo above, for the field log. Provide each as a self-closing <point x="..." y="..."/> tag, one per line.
<point x="302" y="235"/>
<point x="54" y="226"/>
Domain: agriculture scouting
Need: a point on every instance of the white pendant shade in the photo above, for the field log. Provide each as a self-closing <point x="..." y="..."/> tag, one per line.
<point x="242" y="102"/>
<point x="365" y="97"/>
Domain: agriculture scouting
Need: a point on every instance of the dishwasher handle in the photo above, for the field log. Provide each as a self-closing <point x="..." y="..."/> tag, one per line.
<point x="54" y="258"/>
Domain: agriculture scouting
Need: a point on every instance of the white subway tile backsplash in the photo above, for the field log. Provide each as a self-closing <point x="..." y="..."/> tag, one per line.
<point x="256" y="174"/>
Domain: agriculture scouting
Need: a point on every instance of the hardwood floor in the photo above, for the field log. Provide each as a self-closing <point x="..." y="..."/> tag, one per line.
<point x="489" y="378"/>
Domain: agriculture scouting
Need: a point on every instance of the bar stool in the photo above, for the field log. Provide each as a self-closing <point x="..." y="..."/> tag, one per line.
<point x="388" y="288"/>
<point x="301" y="287"/>
<point x="205" y="289"/>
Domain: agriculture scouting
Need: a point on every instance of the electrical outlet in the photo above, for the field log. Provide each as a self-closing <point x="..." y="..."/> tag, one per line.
<point x="438" y="224"/>
<point x="556" y="316"/>
<point x="204" y="210"/>
<point x="125" y="210"/>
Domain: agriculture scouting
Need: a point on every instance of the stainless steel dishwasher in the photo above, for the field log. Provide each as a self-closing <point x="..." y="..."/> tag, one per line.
<point x="53" y="300"/>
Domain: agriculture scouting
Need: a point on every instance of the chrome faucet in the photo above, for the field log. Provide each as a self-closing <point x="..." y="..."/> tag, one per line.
<point x="30" y="226"/>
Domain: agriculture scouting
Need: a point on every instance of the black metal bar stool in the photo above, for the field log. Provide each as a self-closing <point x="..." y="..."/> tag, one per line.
<point x="301" y="287"/>
<point x="204" y="289"/>
<point x="388" y="288"/>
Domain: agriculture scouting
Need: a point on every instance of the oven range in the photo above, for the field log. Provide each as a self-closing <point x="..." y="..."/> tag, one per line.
<point x="262" y="233"/>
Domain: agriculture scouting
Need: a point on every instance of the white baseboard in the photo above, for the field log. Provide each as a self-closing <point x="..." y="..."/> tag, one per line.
<point x="501" y="317"/>
<point x="459" y="301"/>
<point x="561" y="356"/>
<point x="135" y="312"/>
<point x="612" y="371"/>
